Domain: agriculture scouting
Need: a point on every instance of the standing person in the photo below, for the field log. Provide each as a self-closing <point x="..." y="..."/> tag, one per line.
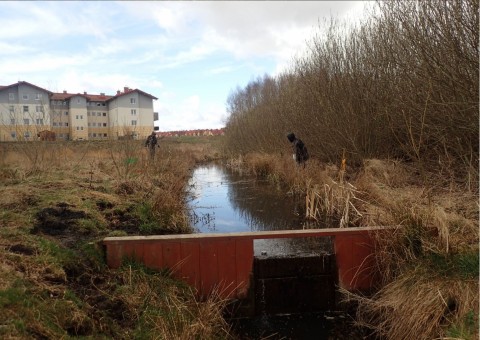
<point x="300" y="152"/>
<point x="151" y="142"/>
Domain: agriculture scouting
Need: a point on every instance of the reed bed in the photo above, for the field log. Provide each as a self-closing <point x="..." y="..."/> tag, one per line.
<point x="428" y="261"/>
<point x="333" y="200"/>
<point x="420" y="306"/>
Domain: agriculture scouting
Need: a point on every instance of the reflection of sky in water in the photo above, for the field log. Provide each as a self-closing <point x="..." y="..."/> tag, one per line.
<point x="210" y="191"/>
<point x="223" y="201"/>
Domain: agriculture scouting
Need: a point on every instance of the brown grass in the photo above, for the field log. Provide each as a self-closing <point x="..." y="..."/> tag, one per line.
<point x="416" y="306"/>
<point x="426" y="262"/>
<point x="58" y="199"/>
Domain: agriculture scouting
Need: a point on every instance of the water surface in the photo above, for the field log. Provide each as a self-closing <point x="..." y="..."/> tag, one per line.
<point x="227" y="201"/>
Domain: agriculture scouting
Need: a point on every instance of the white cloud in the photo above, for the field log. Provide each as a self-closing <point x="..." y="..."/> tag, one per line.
<point x="160" y="47"/>
<point x="219" y="70"/>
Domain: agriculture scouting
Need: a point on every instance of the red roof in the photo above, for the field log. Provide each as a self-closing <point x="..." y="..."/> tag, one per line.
<point x="90" y="97"/>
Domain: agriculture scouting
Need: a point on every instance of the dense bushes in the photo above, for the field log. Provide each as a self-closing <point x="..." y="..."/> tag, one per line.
<point x="403" y="84"/>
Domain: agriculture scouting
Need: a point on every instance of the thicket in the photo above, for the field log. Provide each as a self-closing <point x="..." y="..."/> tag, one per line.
<point x="402" y="84"/>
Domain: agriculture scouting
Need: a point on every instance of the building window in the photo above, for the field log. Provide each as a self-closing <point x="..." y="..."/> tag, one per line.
<point x="39" y="121"/>
<point x="94" y="135"/>
<point x="66" y="124"/>
<point x="99" y="114"/>
<point x="39" y="108"/>
<point x="25" y="96"/>
<point x="12" y="121"/>
<point x="13" y="135"/>
<point x="11" y="108"/>
<point x="38" y="96"/>
<point x="26" y="134"/>
<point x="98" y="104"/>
<point x="134" y="112"/>
<point x="25" y="109"/>
<point x="55" y="124"/>
<point x="133" y="100"/>
<point x="64" y="103"/>
<point x="66" y="113"/>
<point x="104" y="124"/>
<point x="11" y="96"/>
<point x="104" y="135"/>
<point x="78" y="100"/>
<point x="134" y="122"/>
<point x="26" y="121"/>
<point x="104" y="114"/>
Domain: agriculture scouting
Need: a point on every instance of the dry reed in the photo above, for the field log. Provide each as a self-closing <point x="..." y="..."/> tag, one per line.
<point x="416" y="306"/>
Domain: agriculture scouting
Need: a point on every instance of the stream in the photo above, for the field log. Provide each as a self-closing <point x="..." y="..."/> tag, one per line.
<point x="227" y="201"/>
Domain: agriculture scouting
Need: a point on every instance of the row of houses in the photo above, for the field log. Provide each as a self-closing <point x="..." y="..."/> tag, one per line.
<point x="198" y="132"/>
<point x="27" y="111"/>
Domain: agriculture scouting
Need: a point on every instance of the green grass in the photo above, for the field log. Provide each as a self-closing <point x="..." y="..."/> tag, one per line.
<point x="464" y="328"/>
<point x="464" y="265"/>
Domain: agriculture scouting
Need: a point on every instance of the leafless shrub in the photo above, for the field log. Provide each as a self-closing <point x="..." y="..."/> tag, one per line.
<point x="403" y="84"/>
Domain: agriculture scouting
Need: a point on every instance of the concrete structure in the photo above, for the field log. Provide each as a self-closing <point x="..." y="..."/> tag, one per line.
<point x="224" y="262"/>
<point x="26" y="109"/>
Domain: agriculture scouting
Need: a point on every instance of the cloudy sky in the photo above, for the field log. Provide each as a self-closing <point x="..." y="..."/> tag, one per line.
<point x="190" y="55"/>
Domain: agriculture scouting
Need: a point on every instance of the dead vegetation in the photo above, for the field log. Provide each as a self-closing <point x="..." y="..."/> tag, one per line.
<point x="53" y="279"/>
<point x="428" y="262"/>
<point x="398" y="95"/>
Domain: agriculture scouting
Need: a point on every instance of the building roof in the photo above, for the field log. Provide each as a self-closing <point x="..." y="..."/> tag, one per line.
<point x="24" y="83"/>
<point x="126" y="91"/>
<point x="91" y="97"/>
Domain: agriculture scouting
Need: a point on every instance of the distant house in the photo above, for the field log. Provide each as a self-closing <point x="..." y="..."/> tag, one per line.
<point x="199" y="132"/>
<point x="27" y="109"/>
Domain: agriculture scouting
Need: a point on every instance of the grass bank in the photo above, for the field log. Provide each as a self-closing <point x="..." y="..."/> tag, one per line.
<point x="58" y="200"/>
<point x="429" y="263"/>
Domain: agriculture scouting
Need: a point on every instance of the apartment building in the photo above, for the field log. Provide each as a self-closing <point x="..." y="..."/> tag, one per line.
<point x="27" y="109"/>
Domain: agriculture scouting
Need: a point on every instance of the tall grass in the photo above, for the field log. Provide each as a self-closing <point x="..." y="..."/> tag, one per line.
<point x="53" y="279"/>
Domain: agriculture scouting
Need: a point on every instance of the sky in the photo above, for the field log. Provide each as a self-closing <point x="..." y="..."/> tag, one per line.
<point x="189" y="54"/>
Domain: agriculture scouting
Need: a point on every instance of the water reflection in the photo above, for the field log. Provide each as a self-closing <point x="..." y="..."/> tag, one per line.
<point x="224" y="201"/>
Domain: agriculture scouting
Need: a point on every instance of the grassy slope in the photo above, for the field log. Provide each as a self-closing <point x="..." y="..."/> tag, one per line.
<point x="429" y="264"/>
<point x="58" y="200"/>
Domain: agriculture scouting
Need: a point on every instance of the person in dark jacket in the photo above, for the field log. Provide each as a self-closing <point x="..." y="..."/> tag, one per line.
<point x="151" y="143"/>
<point x="300" y="152"/>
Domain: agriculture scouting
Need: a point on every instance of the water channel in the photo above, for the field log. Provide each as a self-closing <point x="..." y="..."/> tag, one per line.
<point x="225" y="201"/>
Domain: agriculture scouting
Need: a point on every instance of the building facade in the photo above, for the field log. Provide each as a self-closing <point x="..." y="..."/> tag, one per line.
<point x="26" y="110"/>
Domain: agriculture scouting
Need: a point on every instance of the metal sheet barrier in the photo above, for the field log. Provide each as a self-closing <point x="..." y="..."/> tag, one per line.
<point x="224" y="262"/>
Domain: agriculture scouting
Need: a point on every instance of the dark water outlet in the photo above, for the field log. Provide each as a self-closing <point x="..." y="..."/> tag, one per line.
<point x="292" y="285"/>
<point x="294" y="298"/>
